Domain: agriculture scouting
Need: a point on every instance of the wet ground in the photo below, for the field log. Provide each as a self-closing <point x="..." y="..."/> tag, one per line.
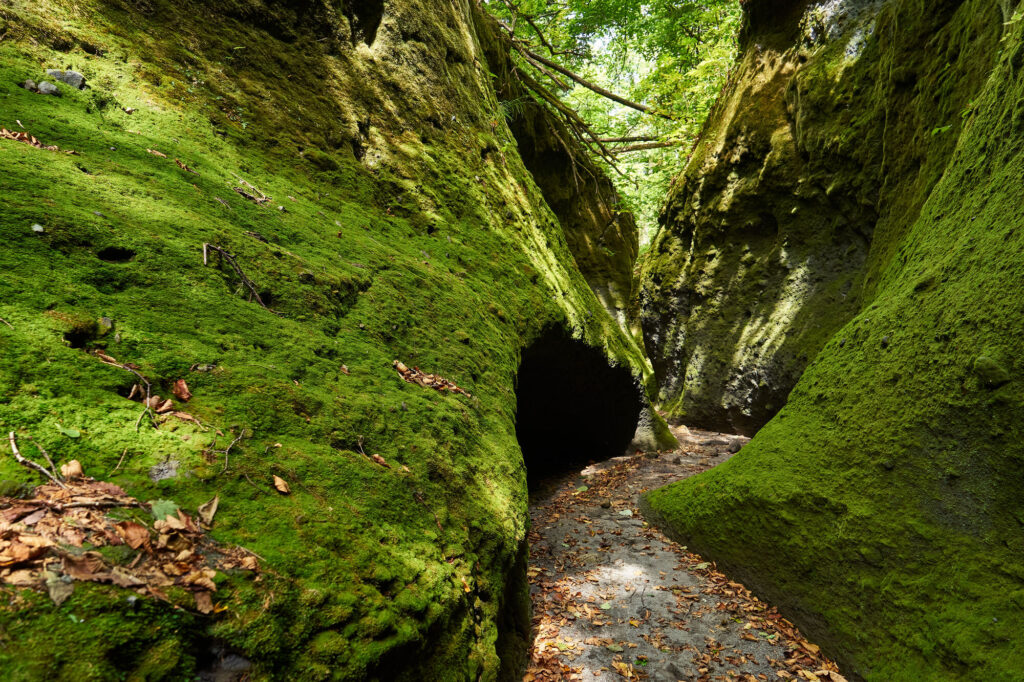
<point x="614" y="599"/>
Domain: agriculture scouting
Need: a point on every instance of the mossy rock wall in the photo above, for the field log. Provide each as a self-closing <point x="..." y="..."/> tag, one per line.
<point x="821" y="139"/>
<point x="392" y="234"/>
<point x="601" y="234"/>
<point x="881" y="507"/>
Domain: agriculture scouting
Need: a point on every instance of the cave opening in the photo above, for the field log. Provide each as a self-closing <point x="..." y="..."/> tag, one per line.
<point x="573" y="407"/>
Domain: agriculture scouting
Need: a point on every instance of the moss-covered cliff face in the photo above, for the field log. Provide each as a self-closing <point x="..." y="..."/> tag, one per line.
<point x="403" y="224"/>
<point x="601" y="234"/>
<point x="822" y="138"/>
<point x="882" y="505"/>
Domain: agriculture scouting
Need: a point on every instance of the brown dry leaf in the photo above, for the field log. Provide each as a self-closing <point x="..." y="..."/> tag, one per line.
<point x="249" y="563"/>
<point x="183" y="167"/>
<point x="207" y="511"/>
<point x="72" y="469"/>
<point x="830" y="675"/>
<point x="281" y="485"/>
<point x="58" y="588"/>
<point x="22" y="578"/>
<point x="380" y="460"/>
<point x="135" y="534"/>
<point x="31" y="141"/>
<point x="89" y="566"/>
<point x="180" y="390"/>
<point x="185" y="416"/>
<point x="34" y="518"/>
<point x="156" y="153"/>
<point x="164" y="407"/>
<point x="204" y="603"/>
<point x="344" y="370"/>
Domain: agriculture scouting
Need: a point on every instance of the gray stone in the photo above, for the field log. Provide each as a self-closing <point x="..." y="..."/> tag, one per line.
<point x="734" y="447"/>
<point x="163" y="470"/>
<point x="72" y="78"/>
<point x="29" y="85"/>
<point x="47" y="88"/>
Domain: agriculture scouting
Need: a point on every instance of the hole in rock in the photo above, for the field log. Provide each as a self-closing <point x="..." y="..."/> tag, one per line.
<point x="116" y="254"/>
<point x="572" y="407"/>
<point x="365" y="17"/>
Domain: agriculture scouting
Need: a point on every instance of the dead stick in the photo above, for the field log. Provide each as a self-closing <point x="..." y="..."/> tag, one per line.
<point x="30" y="464"/>
<point x="53" y="467"/>
<point x="7" y="323"/>
<point x="93" y="504"/>
<point x="119" y="462"/>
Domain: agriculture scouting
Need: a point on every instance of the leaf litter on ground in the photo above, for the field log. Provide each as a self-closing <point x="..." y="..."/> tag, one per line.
<point x="557" y="570"/>
<point x="49" y="541"/>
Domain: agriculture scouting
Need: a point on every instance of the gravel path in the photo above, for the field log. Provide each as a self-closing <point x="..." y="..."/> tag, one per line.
<point x="614" y="599"/>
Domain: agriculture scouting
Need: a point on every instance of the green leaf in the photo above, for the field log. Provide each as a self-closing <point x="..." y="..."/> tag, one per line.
<point x="701" y="566"/>
<point x="69" y="432"/>
<point x="606" y="606"/>
<point x="615" y="648"/>
<point x="163" y="508"/>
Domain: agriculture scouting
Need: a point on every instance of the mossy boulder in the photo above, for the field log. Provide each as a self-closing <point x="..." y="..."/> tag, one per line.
<point x="881" y="507"/>
<point x="333" y="153"/>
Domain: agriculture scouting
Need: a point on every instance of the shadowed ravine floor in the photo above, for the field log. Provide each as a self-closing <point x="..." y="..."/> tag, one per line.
<point x="614" y="599"/>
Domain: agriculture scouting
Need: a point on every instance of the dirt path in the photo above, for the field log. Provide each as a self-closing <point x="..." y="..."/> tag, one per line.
<point x="614" y="599"/>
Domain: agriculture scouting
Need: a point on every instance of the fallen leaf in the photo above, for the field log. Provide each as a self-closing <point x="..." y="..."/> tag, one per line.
<point x="135" y="534"/>
<point x="156" y="153"/>
<point x="180" y="390"/>
<point x="183" y="167"/>
<point x="122" y="578"/>
<point x="22" y="578"/>
<point x="58" y="587"/>
<point x="204" y="603"/>
<point x="72" y="469"/>
<point x="344" y="370"/>
<point x="380" y="460"/>
<point x="207" y="510"/>
<point x="69" y="432"/>
<point x="281" y="485"/>
<point x="163" y="508"/>
<point x="89" y="566"/>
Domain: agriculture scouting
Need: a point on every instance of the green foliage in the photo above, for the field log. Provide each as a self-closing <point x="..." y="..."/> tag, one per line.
<point x="673" y="56"/>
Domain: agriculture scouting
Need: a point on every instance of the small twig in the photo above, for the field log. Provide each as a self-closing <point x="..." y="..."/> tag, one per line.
<point x="53" y="467"/>
<point x="7" y="323"/>
<point x="107" y="360"/>
<point x="258" y="489"/>
<point x="119" y="462"/>
<point x="227" y="450"/>
<point x="246" y="282"/>
<point x="27" y="463"/>
<point x="92" y="504"/>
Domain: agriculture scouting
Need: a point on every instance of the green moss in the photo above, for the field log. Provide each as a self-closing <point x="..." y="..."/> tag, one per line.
<point x="880" y="507"/>
<point x="388" y="246"/>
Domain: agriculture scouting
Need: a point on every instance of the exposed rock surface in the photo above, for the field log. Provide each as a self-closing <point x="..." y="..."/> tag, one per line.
<point x="881" y="506"/>
<point x="765" y="240"/>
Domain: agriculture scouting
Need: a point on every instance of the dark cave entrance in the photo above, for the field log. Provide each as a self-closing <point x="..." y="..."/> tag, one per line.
<point x="573" y="407"/>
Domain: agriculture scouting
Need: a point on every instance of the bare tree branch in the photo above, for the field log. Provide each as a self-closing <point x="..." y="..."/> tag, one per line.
<point x="646" y="145"/>
<point x="608" y="94"/>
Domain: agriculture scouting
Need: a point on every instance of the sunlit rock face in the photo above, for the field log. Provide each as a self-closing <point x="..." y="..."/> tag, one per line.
<point x="852" y="215"/>
<point x="765" y="236"/>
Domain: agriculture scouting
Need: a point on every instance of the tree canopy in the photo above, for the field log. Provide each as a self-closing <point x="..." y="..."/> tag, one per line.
<point x="636" y="79"/>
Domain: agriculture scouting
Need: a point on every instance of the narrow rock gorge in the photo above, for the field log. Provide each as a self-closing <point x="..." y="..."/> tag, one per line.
<point x="297" y="296"/>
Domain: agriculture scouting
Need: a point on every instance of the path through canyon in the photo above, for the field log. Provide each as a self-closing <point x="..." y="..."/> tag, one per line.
<point x="614" y="599"/>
